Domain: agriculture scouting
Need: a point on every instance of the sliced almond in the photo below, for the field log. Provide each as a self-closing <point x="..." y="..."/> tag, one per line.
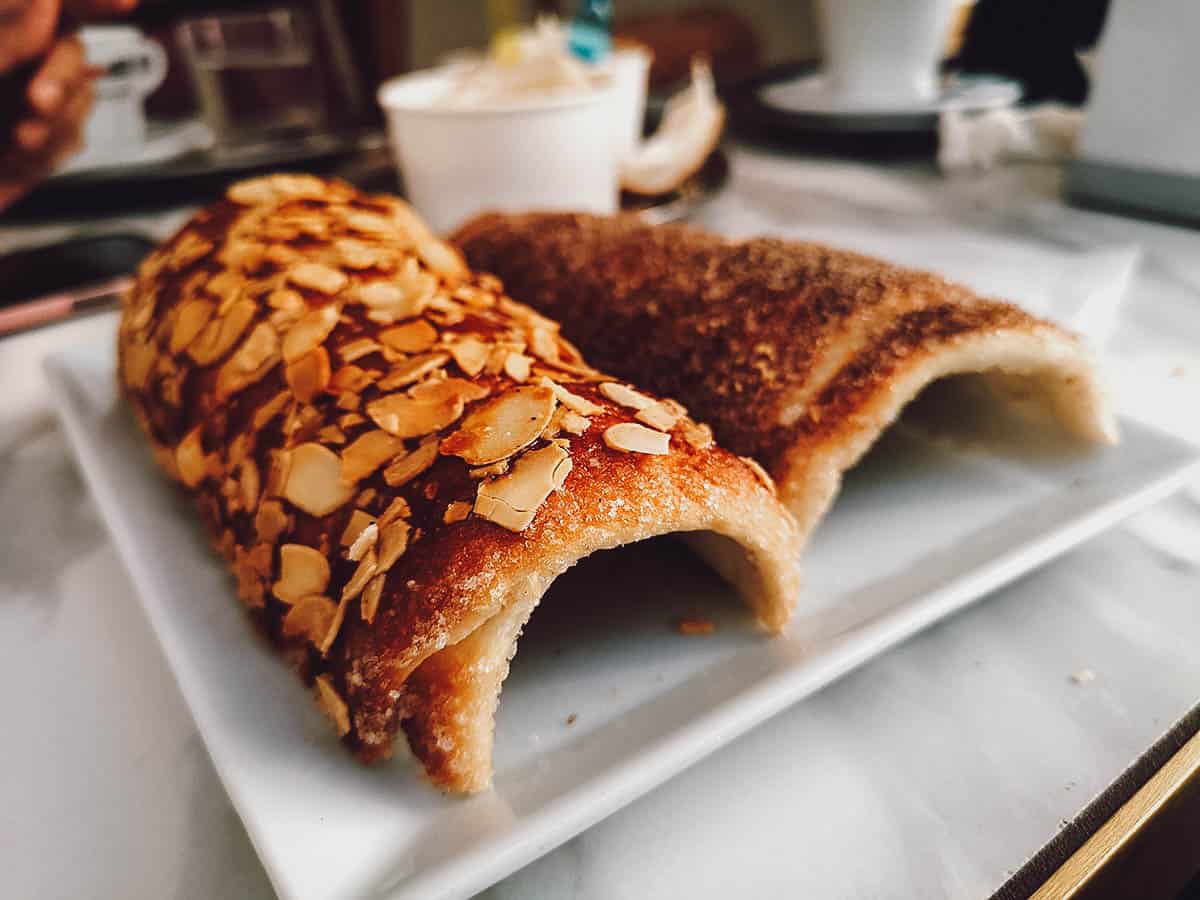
<point x="581" y="405"/>
<point x="393" y="541"/>
<point x="633" y="438"/>
<point x="227" y="286"/>
<point x="317" y="277"/>
<point x="512" y="500"/>
<point x="502" y="426"/>
<point x="249" y="485"/>
<point x="369" y="604"/>
<point x="350" y="419"/>
<point x="219" y="336"/>
<point x="271" y="521"/>
<point x="348" y="400"/>
<point x="190" y="460"/>
<point x="302" y="570"/>
<point x="366" y="496"/>
<point x="367" y="453"/>
<point x="412" y="371"/>
<point x="309" y="332"/>
<point x="397" y="509"/>
<point x="287" y="300"/>
<point x="516" y="366"/>
<point x="137" y="362"/>
<point x="333" y="705"/>
<point x="444" y="388"/>
<point x="358" y="255"/>
<point x="367" y="567"/>
<point x="698" y="435"/>
<point x="364" y="542"/>
<point x="626" y="396"/>
<point x="314" y="483"/>
<point x="358" y="348"/>
<point x="411" y="337"/>
<point x="269" y="189"/>
<point x="310" y="618"/>
<point x="282" y="255"/>
<point x="309" y="375"/>
<point x="408" y="417"/>
<point x="331" y="434"/>
<point x="271" y="409"/>
<point x="658" y="415"/>
<point x="405" y="468"/>
<point x="188" y="248"/>
<point x="277" y="475"/>
<point x="442" y="258"/>
<point x="456" y="512"/>
<point x="256" y="356"/>
<point x="571" y="421"/>
<point x="471" y="354"/>
<point x="366" y="222"/>
<point x="354" y="527"/>
<point x="496" y="468"/>
<point x="193" y="316"/>
<point x="445" y="311"/>
<point x="543" y="345"/>
<point x="352" y="378"/>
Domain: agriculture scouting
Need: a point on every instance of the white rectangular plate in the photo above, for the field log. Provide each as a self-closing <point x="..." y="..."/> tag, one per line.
<point x="606" y="699"/>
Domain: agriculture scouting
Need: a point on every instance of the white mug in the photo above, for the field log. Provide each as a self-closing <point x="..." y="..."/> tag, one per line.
<point x="531" y="153"/>
<point x="134" y="66"/>
<point x="882" y="54"/>
<point x="629" y="68"/>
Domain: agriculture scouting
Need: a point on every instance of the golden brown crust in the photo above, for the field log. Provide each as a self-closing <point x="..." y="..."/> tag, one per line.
<point x="379" y="442"/>
<point x="789" y="350"/>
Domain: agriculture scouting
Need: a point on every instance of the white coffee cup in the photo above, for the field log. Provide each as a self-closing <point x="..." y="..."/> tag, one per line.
<point x="134" y="65"/>
<point x="883" y="54"/>
<point x="549" y="153"/>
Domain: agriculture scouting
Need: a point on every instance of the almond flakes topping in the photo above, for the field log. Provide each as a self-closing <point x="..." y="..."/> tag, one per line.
<point x="571" y="401"/>
<point x="456" y="512"/>
<point x="502" y="426"/>
<point x="309" y="375"/>
<point x="192" y="317"/>
<point x="470" y="353"/>
<point x="412" y="337"/>
<point x="413" y="370"/>
<point x="407" y="467"/>
<point x="358" y="521"/>
<point x="310" y="618"/>
<point x="368" y="605"/>
<point x="409" y="417"/>
<point x="221" y="333"/>
<point x="393" y="541"/>
<point x="367" y="453"/>
<point x="633" y="438"/>
<point x="309" y="332"/>
<point x="314" y="482"/>
<point x="333" y="705"/>
<point x="512" y="500"/>
<point x="625" y="396"/>
<point x="317" y="277"/>
<point x="659" y="416"/>
<point x="358" y="348"/>
<point x="302" y="571"/>
<point x="364" y="542"/>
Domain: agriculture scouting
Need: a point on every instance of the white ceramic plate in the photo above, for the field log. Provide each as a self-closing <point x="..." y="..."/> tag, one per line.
<point x="605" y="699"/>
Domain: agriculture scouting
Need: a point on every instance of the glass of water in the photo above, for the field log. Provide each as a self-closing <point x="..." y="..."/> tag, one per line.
<point x="254" y="74"/>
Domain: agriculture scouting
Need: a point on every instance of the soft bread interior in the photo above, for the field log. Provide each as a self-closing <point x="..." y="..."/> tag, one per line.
<point x="1041" y="374"/>
<point x="453" y="696"/>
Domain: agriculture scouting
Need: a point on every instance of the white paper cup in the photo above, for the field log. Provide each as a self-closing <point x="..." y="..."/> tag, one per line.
<point x="554" y="153"/>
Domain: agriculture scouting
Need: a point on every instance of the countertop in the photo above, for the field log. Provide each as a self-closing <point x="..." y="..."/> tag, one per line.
<point x="934" y="771"/>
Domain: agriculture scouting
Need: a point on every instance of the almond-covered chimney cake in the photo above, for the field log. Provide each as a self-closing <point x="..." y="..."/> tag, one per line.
<point x="397" y="459"/>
